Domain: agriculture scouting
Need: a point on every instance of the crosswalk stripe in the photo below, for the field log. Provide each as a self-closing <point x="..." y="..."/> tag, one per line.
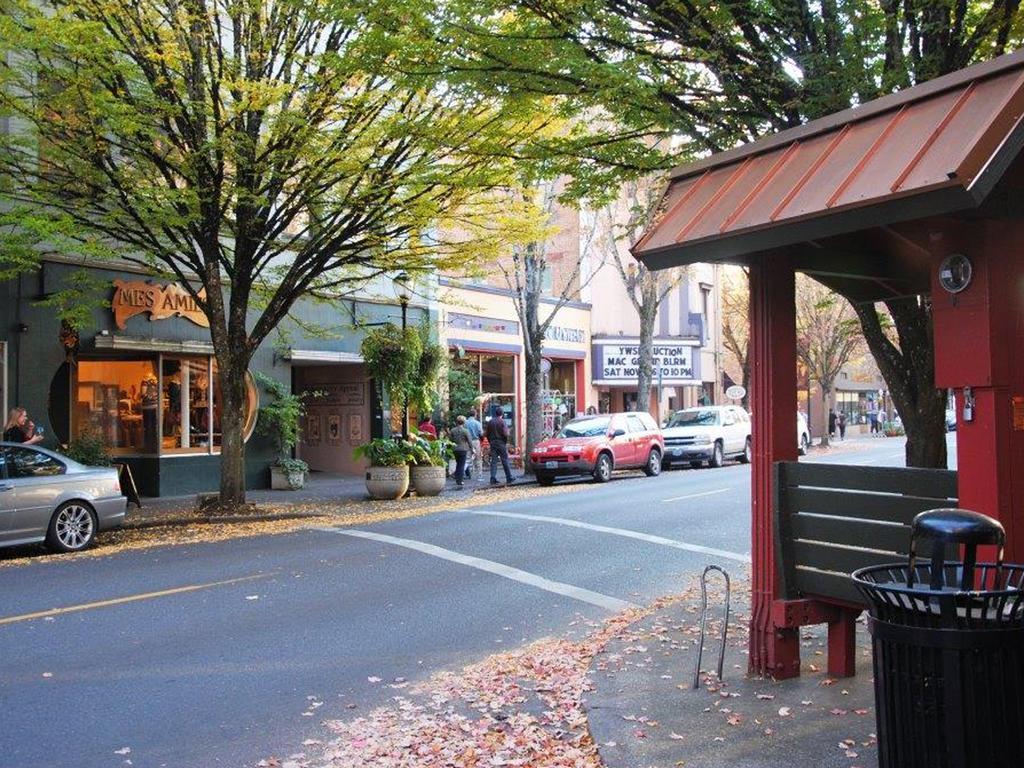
<point x="618" y="532"/>
<point x="498" y="569"/>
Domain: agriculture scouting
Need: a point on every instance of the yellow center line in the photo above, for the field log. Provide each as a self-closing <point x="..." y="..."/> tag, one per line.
<point x="129" y="599"/>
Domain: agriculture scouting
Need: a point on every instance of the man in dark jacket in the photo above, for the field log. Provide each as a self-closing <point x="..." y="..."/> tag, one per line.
<point x="496" y="432"/>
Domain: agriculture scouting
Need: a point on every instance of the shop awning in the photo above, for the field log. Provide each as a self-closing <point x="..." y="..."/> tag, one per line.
<point x="115" y="342"/>
<point x="321" y="357"/>
<point x="933" y="149"/>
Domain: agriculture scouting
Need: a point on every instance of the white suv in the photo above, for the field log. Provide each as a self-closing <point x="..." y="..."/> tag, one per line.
<point x="715" y="432"/>
<point x="707" y="434"/>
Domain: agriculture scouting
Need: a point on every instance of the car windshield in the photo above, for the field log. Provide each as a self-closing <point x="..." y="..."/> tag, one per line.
<point x="585" y="427"/>
<point x="695" y="417"/>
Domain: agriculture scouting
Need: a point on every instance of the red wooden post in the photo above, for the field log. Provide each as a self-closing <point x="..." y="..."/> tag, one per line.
<point x="774" y="650"/>
<point x="979" y="338"/>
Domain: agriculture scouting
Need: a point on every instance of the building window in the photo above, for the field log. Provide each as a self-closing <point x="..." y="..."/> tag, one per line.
<point x="496" y="378"/>
<point x="705" y="308"/>
<point x="165" y="404"/>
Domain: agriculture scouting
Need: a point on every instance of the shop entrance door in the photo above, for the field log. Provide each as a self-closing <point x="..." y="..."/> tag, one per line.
<point x="337" y="417"/>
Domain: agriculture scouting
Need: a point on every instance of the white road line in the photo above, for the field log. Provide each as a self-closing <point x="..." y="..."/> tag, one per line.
<point x="697" y="495"/>
<point x="498" y="569"/>
<point x="618" y="532"/>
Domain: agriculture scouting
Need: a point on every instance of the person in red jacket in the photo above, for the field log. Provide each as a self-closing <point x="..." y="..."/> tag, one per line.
<point x="427" y="428"/>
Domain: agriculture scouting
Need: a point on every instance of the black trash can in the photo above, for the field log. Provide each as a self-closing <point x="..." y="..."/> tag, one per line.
<point x="948" y="643"/>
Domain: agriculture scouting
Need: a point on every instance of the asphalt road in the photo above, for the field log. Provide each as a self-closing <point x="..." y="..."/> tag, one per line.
<point x="230" y="652"/>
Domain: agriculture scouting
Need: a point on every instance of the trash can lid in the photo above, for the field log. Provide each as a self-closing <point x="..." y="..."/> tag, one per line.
<point x="958" y="526"/>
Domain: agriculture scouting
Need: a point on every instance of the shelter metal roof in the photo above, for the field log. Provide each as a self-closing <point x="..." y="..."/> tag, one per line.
<point x="931" y="149"/>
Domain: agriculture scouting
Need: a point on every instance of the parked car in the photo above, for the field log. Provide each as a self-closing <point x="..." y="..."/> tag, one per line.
<point x="803" y="434"/>
<point x="716" y="432"/>
<point x="596" y="445"/>
<point x="709" y="434"/>
<point x="45" y="496"/>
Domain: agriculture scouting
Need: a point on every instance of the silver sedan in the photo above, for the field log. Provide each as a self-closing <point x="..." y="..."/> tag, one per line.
<point x="45" y="496"/>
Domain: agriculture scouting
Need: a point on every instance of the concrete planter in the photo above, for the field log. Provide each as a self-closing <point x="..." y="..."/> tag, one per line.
<point x="387" y="482"/>
<point x="428" y="481"/>
<point x="282" y="480"/>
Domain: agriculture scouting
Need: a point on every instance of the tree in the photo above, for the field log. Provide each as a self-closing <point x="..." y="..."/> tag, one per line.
<point x="900" y="339"/>
<point x="525" y="275"/>
<point x="720" y="74"/>
<point x="646" y="289"/>
<point x="736" y="323"/>
<point x="828" y="336"/>
<point x="256" y="151"/>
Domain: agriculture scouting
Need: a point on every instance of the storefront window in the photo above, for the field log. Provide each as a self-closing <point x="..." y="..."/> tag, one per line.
<point x="119" y="400"/>
<point x="497" y="373"/>
<point x="171" y="404"/>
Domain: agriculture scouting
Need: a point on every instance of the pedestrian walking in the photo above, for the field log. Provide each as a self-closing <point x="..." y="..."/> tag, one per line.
<point x="476" y="432"/>
<point x="873" y="419"/>
<point x="459" y="435"/>
<point x="497" y="435"/>
<point x="19" y="429"/>
<point x="831" y="422"/>
<point x="841" y="422"/>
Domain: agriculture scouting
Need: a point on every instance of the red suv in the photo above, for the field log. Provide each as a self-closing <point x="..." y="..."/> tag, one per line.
<point x="595" y="445"/>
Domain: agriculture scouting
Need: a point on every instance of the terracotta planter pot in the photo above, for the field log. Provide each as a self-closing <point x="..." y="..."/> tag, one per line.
<point x="428" y="481"/>
<point x="387" y="482"/>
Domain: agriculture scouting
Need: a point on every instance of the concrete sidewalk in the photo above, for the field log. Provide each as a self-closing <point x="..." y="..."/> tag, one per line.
<point x="643" y="713"/>
<point x="321" y="487"/>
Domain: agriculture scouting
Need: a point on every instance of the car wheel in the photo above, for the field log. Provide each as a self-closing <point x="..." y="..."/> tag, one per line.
<point x="72" y="527"/>
<point x="718" y="457"/>
<point x="748" y="452"/>
<point x="696" y="464"/>
<point x="545" y="480"/>
<point x="603" y="469"/>
<point x="804" y="442"/>
<point x="653" y="466"/>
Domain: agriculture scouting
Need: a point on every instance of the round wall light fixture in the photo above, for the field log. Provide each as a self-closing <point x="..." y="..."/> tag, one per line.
<point x="955" y="273"/>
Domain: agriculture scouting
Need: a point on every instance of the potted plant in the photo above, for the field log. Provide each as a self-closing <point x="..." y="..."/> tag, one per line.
<point x="430" y="464"/>
<point x="280" y="419"/>
<point x="387" y="477"/>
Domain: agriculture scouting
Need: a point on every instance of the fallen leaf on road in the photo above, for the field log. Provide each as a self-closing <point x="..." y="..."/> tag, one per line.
<point x="766" y="696"/>
<point x="783" y="711"/>
<point x="674" y="735"/>
<point x="123" y="751"/>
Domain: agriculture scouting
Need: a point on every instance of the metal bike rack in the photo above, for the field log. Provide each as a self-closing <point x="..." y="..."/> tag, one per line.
<point x="704" y="622"/>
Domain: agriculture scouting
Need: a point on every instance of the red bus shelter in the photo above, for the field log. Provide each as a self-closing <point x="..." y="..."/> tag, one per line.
<point x="915" y="193"/>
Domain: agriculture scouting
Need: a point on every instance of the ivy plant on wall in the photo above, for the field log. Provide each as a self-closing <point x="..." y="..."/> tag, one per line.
<point x="392" y="358"/>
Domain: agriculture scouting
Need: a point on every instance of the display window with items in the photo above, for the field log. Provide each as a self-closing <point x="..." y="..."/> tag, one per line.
<point x="164" y="404"/>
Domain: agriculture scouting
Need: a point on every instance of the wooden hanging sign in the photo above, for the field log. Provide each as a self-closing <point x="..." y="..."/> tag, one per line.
<point x="160" y="301"/>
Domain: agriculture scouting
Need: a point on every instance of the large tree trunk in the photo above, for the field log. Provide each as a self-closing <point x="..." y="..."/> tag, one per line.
<point x="533" y="404"/>
<point x="645" y="369"/>
<point x="909" y="372"/>
<point x="232" y="373"/>
<point x="826" y="395"/>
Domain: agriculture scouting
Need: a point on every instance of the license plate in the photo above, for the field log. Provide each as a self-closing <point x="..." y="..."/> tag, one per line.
<point x="677" y="451"/>
<point x="550" y="465"/>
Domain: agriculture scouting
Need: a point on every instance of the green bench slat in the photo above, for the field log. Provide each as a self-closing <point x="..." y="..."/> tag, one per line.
<point x="932" y="483"/>
<point x="860" y="504"/>
<point x="829" y="586"/>
<point x="853" y="533"/>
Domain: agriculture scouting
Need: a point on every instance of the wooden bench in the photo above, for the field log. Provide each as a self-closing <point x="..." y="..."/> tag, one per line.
<point x="831" y="520"/>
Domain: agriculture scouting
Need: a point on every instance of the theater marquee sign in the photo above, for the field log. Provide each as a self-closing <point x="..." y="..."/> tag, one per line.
<point x="618" y="362"/>
<point x="160" y="301"/>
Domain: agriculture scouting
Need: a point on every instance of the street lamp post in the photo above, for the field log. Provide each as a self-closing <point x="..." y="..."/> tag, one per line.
<point x="401" y="280"/>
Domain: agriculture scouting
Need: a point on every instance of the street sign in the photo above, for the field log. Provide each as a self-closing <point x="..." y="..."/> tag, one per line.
<point x="735" y="392"/>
